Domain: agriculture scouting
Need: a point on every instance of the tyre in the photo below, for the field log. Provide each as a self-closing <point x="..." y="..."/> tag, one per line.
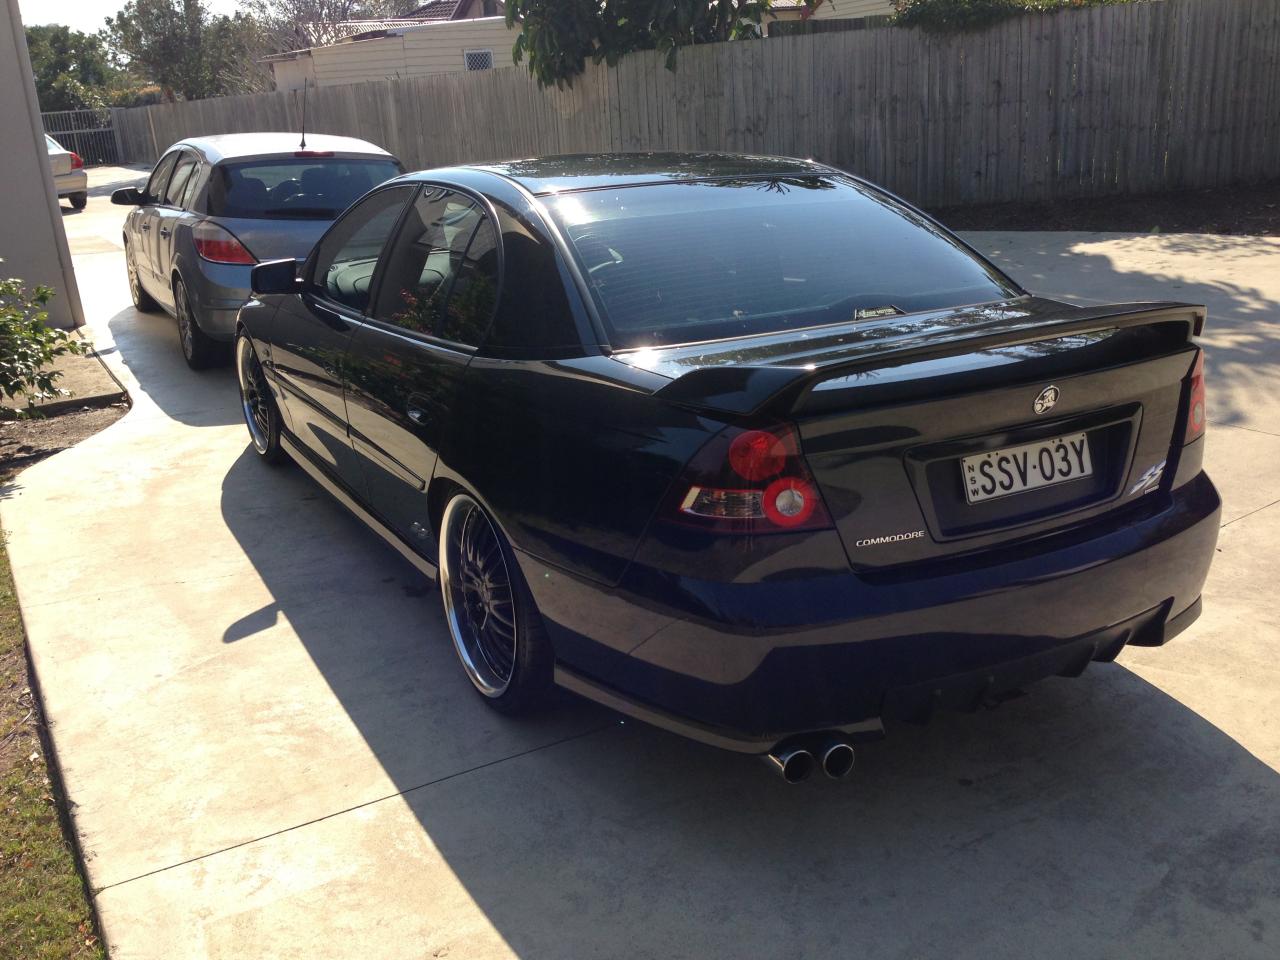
<point x="142" y="300"/>
<point x="261" y="415"/>
<point x="497" y="631"/>
<point x="199" y="349"/>
<point x="79" y="200"/>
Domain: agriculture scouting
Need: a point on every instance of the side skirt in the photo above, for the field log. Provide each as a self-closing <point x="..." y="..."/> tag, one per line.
<point x="303" y="459"/>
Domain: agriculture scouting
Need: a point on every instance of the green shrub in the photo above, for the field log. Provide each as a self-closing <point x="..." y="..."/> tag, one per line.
<point x="948" y="16"/>
<point x="28" y="346"/>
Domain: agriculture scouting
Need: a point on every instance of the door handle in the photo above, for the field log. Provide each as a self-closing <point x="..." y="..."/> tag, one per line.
<point x="165" y="233"/>
<point x="417" y="415"/>
<point x="146" y="226"/>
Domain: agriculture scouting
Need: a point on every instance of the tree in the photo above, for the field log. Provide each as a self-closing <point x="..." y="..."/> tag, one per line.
<point x="72" y="69"/>
<point x="559" y="35"/>
<point x="185" y="50"/>
<point x="293" y="24"/>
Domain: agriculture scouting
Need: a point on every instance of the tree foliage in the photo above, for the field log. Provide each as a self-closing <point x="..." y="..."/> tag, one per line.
<point x="73" y="70"/>
<point x="294" y="24"/>
<point x="187" y="51"/>
<point x="944" y="16"/>
<point x="28" y="345"/>
<point x="559" y="36"/>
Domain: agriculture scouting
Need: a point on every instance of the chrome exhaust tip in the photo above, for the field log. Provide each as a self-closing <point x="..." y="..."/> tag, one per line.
<point x="836" y="756"/>
<point x="792" y="764"/>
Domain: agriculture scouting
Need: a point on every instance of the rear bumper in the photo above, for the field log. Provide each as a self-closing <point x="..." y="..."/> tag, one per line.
<point x="77" y="181"/>
<point x="218" y="291"/>
<point x="835" y="651"/>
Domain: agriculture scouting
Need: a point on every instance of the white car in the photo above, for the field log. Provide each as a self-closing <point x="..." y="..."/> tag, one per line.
<point x="68" y="173"/>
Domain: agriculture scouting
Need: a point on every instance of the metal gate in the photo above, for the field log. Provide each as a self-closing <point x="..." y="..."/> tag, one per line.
<point x="86" y="132"/>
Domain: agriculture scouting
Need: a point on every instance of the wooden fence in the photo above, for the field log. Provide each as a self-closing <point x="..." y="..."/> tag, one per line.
<point x="1102" y="100"/>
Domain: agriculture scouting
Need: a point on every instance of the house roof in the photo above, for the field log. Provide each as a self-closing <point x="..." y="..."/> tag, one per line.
<point x="435" y="10"/>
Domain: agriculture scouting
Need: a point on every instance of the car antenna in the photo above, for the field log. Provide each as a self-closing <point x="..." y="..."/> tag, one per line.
<point x="303" y="144"/>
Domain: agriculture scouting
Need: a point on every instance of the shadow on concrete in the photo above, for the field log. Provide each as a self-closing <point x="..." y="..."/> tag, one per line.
<point x="149" y="347"/>
<point x="1094" y="817"/>
<point x="1242" y="334"/>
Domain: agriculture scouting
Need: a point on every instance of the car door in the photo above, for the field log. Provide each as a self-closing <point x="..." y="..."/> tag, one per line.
<point x="435" y="297"/>
<point x="144" y="226"/>
<point x="312" y="330"/>
<point x="168" y="214"/>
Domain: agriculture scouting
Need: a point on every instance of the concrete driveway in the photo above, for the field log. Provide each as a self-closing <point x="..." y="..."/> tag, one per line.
<point x="271" y="751"/>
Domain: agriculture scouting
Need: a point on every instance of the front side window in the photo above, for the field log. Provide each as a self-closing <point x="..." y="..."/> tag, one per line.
<point x="348" y="254"/>
<point x="682" y="262"/>
<point x="441" y="278"/>
<point x="160" y="178"/>
<point x="182" y="174"/>
<point x="296" y="188"/>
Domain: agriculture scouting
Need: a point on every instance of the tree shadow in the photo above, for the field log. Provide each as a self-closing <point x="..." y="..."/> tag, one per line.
<point x="1242" y="333"/>
<point x="1094" y="817"/>
<point x="149" y="347"/>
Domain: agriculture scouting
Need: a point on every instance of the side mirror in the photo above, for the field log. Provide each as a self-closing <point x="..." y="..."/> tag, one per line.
<point x="128" y="197"/>
<point x="275" y="277"/>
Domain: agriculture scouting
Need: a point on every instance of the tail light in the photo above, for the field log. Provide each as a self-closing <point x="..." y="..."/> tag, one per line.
<point x="217" y="245"/>
<point x="76" y="162"/>
<point x="1197" y="412"/>
<point x="749" y="481"/>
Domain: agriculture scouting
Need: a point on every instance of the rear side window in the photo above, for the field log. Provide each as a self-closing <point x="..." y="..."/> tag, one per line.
<point x="349" y="252"/>
<point x="683" y="262"/>
<point x="315" y="188"/>
<point x="441" y="277"/>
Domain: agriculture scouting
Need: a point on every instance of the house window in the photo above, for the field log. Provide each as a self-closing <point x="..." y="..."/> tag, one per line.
<point x="478" y="59"/>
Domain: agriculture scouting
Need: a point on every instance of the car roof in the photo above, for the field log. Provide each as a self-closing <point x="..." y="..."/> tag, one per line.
<point x="584" y="171"/>
<point x="233" y="146"/>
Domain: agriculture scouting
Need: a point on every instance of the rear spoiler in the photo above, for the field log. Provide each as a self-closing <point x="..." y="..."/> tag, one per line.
<point x="750" y="388"/>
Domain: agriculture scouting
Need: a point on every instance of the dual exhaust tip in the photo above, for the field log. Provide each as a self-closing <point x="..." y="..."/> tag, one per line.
<point x="797" y="761"/>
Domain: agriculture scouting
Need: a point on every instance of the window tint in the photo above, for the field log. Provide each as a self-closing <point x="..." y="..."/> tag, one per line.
<point x="178" y="182"/>
<point x="349" y="252"/>
<point x="316" y="188"/>
<point x="442" y="273"/>
<point x="681" y="262"/>
<point x="160" y="178"/>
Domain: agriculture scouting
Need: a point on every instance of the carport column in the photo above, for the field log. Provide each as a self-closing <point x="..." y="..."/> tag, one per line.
<point x="33" y="243"/>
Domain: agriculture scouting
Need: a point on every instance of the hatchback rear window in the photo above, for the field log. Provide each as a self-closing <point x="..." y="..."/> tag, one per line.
<point x="684" y="262"/>
<point x="317" y="188"/>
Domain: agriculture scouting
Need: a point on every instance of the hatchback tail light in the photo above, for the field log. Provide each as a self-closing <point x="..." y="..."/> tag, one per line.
<point x="218" y="245"/>
<point x="1197" y="412"/>
<point x="749" y="481"/>
<point x="76" y="162"/>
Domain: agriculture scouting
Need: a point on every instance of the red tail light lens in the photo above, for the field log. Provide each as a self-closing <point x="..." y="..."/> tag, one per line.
<point x="217" y="245"/>
<point x="749" y="481"/>
<point x="76" y="162"/>
<point x="1197" y="411"/>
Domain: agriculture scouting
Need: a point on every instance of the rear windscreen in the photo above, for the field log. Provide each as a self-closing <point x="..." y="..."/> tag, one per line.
<point x="315" y="188"/>
<point x="685" y="262"/>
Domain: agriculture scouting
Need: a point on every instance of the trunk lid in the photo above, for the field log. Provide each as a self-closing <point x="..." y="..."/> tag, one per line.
<point x="888" y="412"/>
<point x="275" y="239"/>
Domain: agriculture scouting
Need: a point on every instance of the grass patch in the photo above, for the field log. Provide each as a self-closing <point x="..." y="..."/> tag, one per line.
<point x="44" y="913"/>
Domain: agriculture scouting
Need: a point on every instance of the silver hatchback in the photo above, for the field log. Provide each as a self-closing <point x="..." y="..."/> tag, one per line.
<point x="215" y="206"/>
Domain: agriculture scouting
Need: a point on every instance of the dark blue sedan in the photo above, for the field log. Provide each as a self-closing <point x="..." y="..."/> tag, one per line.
<point x="742" y="447"/>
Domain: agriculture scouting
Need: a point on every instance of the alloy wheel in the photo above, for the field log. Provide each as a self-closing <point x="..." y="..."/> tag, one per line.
<point x="255" y="397"/>
<point x="131" y="268"/>
<point x="183" y="309"/>
<point x="478" y="596"/>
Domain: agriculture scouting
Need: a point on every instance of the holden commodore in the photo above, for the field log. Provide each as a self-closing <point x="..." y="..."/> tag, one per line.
<point x="742" y="447"/>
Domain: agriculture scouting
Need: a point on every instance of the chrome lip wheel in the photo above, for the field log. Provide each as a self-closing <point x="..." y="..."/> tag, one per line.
<point x="478" y="600"/>
<point x="254" y="394"/>
<point x="184" y="321"/>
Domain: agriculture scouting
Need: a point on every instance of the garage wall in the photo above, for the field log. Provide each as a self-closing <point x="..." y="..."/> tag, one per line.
<point x="419" y="51"/>
<point x="33" y="244"/>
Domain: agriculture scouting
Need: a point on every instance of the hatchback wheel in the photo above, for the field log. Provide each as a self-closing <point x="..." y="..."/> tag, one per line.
<point x="496" y="630"/>
<point x="198" y="348"/>
<point x="261" y="415"/>
<point x="142" y="300"/>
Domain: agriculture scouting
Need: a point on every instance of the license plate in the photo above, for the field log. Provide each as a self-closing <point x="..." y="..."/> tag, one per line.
<point x="1002" y="473"/>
